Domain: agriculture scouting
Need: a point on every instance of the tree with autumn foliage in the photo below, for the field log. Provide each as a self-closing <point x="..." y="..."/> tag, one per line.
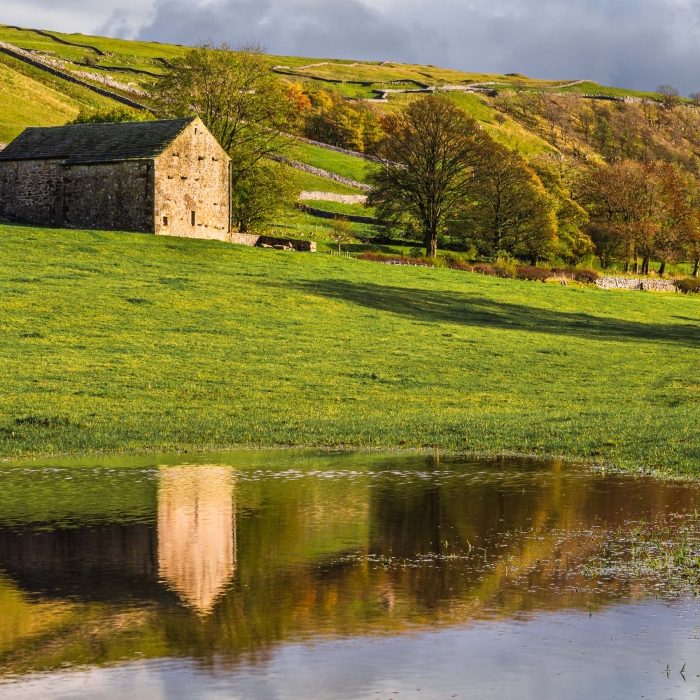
<point x="506" y="208"/>
<point x="337" y="122"/>
<point x="650" y="206"/>
<point x="432" y="149"/>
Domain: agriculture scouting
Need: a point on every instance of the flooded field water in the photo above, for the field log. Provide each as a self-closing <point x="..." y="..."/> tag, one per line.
<point x="290" y="575"/>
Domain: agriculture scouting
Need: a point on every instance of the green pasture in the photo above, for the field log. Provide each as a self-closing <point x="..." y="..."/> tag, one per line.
<point x="314" y="183"/>
<point x="31" y="97"/>
<point x="123" y="342"/>
<point x="351" y="167"/>
<point x="340" y="208"/>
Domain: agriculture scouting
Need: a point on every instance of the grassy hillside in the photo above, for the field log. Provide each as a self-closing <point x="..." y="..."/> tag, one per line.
<point x="31" y="97"/>
<point x="354" y="168"/>
<point x="124" y="342"/>
<point x="138" y="64"/>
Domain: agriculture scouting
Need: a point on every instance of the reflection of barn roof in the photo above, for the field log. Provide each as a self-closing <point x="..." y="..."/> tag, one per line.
<point x="96" y="143"/>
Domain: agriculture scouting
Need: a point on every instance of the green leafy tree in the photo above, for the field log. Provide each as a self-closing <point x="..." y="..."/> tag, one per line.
<point x="433" y="148"/>
<point x="508" y="209"/>
<point x="573" y="243"/>
<point x="262" y="193"/>
<point x="112" y="115"/>
<point x="247" y="109"/>
<point x="341" y="232"/>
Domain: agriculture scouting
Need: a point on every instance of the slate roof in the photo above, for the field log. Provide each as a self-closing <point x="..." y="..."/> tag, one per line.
<point x="95" y="143"/>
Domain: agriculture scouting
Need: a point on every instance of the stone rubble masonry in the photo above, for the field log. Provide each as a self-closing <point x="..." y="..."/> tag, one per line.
<point x="192" y="178"/>
<point x="184" y="191"/>
<point x="647" y="285"/>
<point x="315" y="196"/>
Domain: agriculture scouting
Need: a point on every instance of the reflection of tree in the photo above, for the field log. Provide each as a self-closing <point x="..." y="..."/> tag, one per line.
<point x="196" y="532"/>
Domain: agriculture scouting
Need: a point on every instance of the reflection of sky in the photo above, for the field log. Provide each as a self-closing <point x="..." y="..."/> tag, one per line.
<point x="619" y="653"/>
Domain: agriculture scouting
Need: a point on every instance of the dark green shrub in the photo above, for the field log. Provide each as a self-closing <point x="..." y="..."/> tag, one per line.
<point x="689" y="285"/>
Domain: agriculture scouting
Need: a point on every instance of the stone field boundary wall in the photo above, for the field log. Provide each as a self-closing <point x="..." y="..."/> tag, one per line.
<point x="645" y="285"/>
<point x="314" y="196"/>
<point x="323" y="214"/>
<point x="17" y="53"/>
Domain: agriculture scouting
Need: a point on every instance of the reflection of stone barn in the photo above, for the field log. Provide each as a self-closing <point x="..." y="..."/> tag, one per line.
<point x="167" y="177"/>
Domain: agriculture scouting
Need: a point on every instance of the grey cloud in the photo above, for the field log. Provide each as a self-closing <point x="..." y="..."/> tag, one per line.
<point x="331" y="28"/>
<point x="631" y="43"/>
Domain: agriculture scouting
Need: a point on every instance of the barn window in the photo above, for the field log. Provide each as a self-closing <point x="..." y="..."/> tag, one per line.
<point x="195" y="129"/>
<point x="192" y="218"/>
<point x="165" y="221"/>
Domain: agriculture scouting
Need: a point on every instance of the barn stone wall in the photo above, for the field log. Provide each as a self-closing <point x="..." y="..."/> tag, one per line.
<point x="192" y="187"/>
<point x="109" y="196"/>
<point x="30" y="191"/>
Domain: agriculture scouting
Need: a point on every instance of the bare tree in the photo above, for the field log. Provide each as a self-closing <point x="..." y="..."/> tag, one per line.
<point x="432" y="147"/>
<point x="669" y="95"/>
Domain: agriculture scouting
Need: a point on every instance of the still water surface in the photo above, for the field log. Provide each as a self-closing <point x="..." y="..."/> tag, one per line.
<point x="295" y="575"/>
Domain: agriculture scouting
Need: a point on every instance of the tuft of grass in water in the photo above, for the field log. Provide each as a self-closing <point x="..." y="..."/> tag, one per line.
<point x="152" y="343"/>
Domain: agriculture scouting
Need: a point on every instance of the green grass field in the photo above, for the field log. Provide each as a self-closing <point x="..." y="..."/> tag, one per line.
<point x="114" y="342"/>
<point x="351" y="167"/>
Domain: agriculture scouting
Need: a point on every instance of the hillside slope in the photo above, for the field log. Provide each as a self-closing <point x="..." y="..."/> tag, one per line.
<point x="529" y="115"/>
<point x="114" y="341"/>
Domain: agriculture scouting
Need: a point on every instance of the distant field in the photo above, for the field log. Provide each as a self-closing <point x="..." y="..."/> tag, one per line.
<point x="129" y="342"/>
<point x="351" y="167"/>
<point x="30" y="97"/>
<point x="307" y="181"/>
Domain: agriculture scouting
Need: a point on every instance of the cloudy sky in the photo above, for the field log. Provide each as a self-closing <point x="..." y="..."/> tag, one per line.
<point x="631" y="43"/>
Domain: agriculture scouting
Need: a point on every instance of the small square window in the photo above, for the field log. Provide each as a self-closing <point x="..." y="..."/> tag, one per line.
<point x="192" y="218"/>
<point x="165" y="221"/>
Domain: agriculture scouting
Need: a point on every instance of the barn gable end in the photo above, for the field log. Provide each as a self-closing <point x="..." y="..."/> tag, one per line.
<point x="192" y="186"/>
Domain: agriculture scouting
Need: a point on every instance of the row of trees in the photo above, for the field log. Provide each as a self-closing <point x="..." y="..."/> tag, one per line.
<point x="456" y="180"/>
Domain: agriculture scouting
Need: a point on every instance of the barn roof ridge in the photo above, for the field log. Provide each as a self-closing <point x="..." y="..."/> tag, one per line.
<point x="76" y="144"/>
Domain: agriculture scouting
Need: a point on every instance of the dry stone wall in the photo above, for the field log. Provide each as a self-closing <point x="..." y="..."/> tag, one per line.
<point x="321" y="173"/>
<point x="647" y="285"/>
<point x="315" y="196"/>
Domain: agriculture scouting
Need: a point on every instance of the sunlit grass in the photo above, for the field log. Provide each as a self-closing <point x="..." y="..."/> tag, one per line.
<point x="117" y="341"/>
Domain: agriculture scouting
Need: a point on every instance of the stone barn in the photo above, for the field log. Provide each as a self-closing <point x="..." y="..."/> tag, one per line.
<point x="167" y="177"/>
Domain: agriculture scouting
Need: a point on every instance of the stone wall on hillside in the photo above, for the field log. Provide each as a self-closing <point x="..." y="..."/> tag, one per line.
<point x="646" y="285"/>
<point x="321" y="173"/>
<point x="314" y="196"/>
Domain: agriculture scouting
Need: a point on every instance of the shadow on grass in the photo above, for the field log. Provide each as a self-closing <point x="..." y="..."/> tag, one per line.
<point x="452" y="307"/>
